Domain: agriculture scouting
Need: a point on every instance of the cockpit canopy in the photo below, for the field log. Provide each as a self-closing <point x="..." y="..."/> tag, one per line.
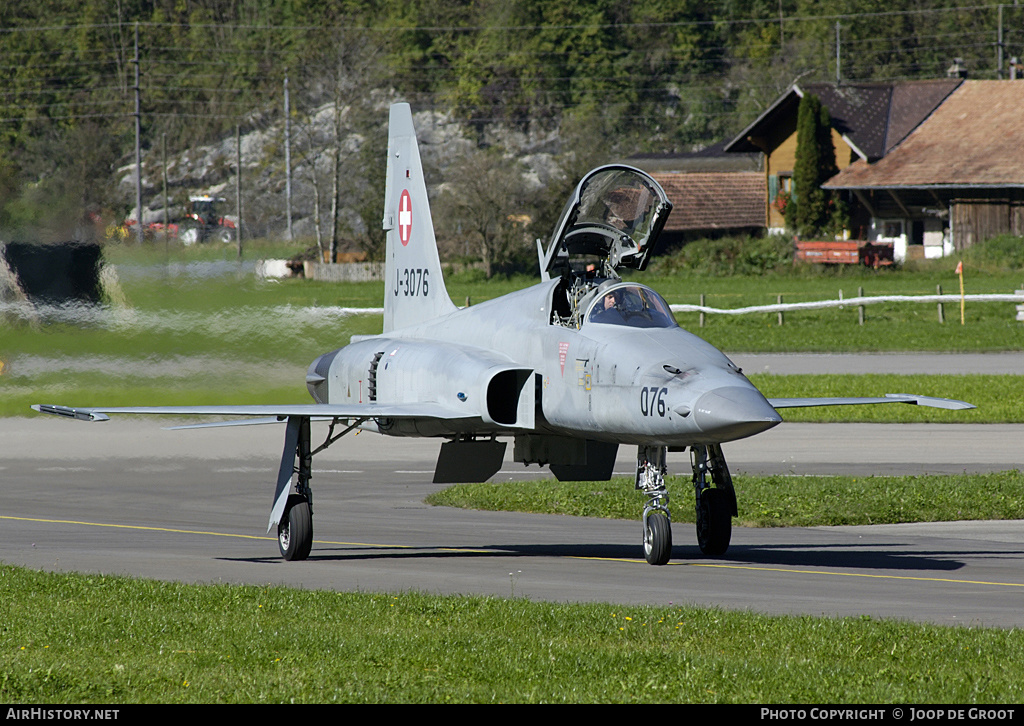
<point x="616" y="213"/>
<point x="632" y="305"/>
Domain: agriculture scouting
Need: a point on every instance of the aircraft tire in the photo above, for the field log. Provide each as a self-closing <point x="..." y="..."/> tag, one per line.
<point x="714" y="522"/>
<point x="295" y="532"/>
<point x="657" y="539"/>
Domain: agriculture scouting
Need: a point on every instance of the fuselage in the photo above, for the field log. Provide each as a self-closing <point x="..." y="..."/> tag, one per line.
<point x="614" y="382"/>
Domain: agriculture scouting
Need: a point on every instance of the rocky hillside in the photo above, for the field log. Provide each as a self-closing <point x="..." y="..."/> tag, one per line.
<point x="212" y="169"/>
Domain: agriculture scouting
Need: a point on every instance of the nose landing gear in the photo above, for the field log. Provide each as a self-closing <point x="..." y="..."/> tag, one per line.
<point x="714" y="495"/>
<point x="650" y="479"/>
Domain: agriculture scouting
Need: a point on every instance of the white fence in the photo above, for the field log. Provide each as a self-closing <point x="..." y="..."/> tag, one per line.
<point x="1017" y="297"/>
<point x="118" y="316"/>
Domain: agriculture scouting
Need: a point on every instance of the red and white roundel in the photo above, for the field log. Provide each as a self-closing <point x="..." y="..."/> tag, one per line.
<point x="405" y="217"/>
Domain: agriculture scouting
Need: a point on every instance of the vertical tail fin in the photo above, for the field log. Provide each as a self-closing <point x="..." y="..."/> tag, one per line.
<point x="414" y="289"/>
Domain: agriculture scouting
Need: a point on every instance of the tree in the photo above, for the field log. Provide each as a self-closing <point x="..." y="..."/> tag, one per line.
<point x="810" y="209"/>
<point x="489" y="201"/>
<point x="339" y="81"/>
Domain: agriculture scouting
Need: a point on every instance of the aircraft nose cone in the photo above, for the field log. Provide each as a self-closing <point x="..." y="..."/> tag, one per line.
<point x="734" y="412"/>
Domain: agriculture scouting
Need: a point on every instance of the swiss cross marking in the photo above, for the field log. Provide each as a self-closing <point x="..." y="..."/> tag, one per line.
<point x="405" y="217"/>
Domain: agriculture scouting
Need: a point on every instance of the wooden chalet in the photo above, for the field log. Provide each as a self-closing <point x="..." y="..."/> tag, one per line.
<point x="869" y="120"/>
<point x="927" y="166"/>
<point x="958" y="176"/>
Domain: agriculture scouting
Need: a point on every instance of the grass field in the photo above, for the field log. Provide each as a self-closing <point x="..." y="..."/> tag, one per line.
<point x="102" y="639"/>
<point x="176" y="334"/>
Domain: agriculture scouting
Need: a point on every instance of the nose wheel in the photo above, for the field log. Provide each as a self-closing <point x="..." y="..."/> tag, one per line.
<point x="657" y="537"/>
<point x="650" y="479"/>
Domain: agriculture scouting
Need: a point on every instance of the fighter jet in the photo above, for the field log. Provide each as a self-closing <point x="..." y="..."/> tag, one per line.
<point x="568" y="369"/>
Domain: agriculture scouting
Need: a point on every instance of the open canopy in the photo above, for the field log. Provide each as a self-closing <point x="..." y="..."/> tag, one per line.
<point x="616" y="213"/>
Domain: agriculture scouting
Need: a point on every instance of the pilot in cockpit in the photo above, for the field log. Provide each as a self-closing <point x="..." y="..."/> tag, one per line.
<point x="634" y="306"/>
<point x="613" y="306"/>
<point x="608" y="308"/>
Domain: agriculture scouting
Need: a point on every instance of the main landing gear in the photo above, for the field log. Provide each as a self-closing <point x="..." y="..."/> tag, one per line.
<point x="293" y="503"/>
<point x="295" y="530"/>
<point x="716" y="506"/>
<point x="714" y="494"/>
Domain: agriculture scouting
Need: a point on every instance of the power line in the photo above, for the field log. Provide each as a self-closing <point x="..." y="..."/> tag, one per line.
<point x="696" y="74"/>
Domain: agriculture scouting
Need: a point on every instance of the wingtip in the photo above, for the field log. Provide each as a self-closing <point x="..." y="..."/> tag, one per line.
<point x="81" y="414"/>
<point x="931" y="401"/>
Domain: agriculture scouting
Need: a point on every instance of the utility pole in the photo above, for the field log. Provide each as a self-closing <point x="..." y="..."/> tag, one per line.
<point x="839" y="76"/>
<point x="138" y="141"/>
<point x="287" y="156"/>
<point x="163" y="164"/>
<point x="238" y="188"/>
<point x="782" y="33"/>
<point x="999" y="46"/>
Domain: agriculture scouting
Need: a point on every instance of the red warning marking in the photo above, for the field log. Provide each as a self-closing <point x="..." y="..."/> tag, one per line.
<point x="405" y="217"/>
<point x="563" y="349"/>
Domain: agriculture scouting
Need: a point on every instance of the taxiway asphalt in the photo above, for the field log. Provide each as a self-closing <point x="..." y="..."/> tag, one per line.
<point x="125" y="497"/>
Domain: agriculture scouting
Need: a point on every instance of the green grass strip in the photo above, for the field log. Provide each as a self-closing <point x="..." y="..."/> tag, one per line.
<point x="69" y="638"/>
<point x="770" y="501"/>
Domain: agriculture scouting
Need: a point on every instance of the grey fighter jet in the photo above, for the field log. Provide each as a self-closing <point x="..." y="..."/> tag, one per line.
<point x="569" y="369"/>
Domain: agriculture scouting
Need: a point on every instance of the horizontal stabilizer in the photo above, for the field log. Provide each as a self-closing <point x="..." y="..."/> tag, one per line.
<point x="930" y="401"/>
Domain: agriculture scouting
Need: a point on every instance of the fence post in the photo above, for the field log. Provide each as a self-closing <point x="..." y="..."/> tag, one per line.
<point x="860" y="308"/>
<point x="702" y="312"/>
<point x="942" y="312"/>
<point x="780" y="312"/>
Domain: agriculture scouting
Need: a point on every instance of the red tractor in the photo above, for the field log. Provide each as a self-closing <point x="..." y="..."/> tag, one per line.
<point x="203" y="223"/>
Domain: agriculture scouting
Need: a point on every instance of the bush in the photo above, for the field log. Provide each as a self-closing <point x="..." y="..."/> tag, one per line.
<point x="730" y="256"/>
<point x="1003" y="252"/>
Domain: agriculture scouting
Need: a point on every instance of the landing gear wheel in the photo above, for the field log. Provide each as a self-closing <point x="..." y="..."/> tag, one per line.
<point x="714" y="522"/>
<point x="657" y="538"/>
<point x="295" y="532"/>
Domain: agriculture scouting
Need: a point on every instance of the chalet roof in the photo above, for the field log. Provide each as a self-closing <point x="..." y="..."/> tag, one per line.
<point x="974" y="139"/>
<point x="710" y="158"/>
<point x="873" y="118"/>
<point x="714" y="200"/>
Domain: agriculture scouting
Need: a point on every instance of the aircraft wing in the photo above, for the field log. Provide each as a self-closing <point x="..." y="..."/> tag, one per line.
<point x="293" y="414"/>
<point x="281" y="412"/>
<point x="912" y="399"/>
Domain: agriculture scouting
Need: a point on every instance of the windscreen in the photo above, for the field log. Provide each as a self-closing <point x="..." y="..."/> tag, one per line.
<point x="634" y="306"/>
